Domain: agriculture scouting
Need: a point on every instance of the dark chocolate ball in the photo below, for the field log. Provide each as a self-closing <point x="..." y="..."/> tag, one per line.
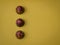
<point x="20" y="10"/>
<point x="20" y="22"/>
<point x="20" y="34"/>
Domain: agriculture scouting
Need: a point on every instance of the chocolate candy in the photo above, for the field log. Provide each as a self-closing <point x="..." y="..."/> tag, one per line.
<point x="20" y="22"/>
<point x="20" y="9"/>
<point x="20" y="34"/>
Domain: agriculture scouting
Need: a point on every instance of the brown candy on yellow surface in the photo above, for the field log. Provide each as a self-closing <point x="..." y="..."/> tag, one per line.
<point x="20" y="22"/>
<point x="20" y="10"/>
<point x="20" y="34"/>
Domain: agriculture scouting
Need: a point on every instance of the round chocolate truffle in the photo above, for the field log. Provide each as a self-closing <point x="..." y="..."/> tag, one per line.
<point x="20" y="10"/>
<point x="20" y="22"/>
<point x="20" y="34"/>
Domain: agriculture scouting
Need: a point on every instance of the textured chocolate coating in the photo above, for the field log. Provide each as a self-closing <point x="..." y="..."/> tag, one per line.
<point x="20" y="10"/>
<point x="20" y="34"/>
<point x="20" y="22"/>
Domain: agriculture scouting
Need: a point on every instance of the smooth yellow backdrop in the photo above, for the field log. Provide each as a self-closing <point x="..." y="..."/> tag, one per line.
<point x="42" y="18"/>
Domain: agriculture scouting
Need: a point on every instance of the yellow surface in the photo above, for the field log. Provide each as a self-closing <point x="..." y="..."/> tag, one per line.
<point x="42" y="19"/>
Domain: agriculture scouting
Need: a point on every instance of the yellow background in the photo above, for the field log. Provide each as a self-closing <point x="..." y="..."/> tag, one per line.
<point x="42" y="18"/>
